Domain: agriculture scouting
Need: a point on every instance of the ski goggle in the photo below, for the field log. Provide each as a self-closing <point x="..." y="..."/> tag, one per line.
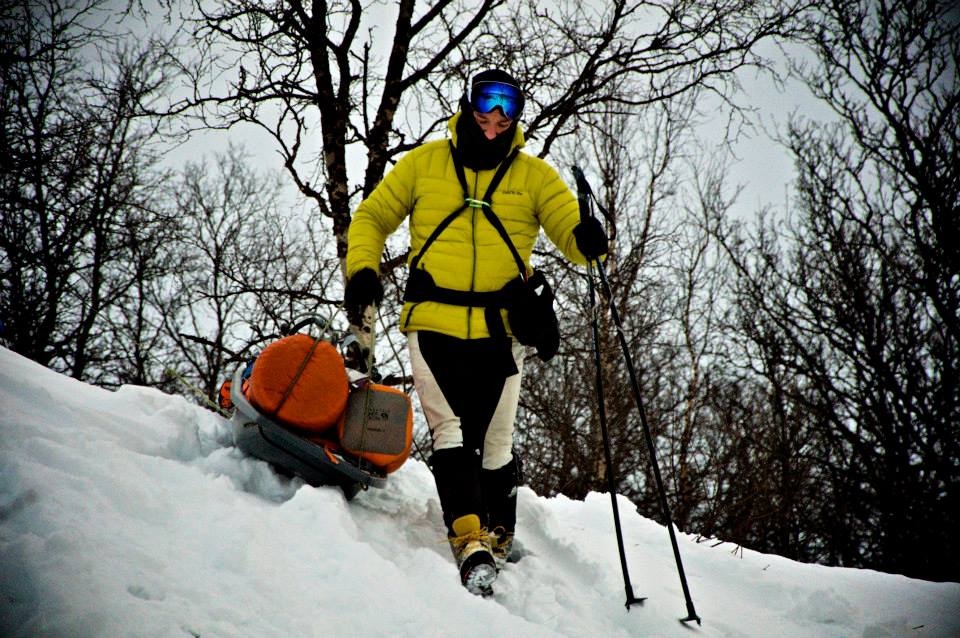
<point x="486" y="96"/>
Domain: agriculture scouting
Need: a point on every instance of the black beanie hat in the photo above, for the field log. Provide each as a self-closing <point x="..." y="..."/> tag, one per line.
<point x="495" y="75"/>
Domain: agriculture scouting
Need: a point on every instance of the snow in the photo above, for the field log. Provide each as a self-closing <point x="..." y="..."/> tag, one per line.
<point x="130" y="513"/>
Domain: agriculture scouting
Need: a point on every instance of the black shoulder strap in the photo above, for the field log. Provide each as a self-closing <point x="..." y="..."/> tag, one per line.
<point x="485" y="205"/>
<point x="498" y="225"/>
<point x="469" y="202"/>
<point x="436" y="233"/>
<point x="494" y="183"/>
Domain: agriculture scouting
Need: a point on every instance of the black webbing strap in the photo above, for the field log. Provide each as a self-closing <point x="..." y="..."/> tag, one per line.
<point x="498" y="225"/>
<point x="494" y="183"/>
<point x="420" y="285"/>
<point x="442" y="226"/>
<point x="484" y="204"/>
<point x="469" y="202"/>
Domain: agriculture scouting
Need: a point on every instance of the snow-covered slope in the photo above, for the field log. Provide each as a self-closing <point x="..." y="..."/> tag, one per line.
<point x="129" y="513"/>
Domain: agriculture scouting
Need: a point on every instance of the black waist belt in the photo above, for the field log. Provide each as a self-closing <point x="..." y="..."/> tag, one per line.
<point x="422" y="287"/>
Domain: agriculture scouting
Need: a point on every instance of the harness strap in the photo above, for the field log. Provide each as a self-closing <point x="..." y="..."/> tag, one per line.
<point x="420" y="284"/>
<point x="442" y="226"/>
<point x="494" y="183"/>
<point x="484" y="204"/>
<point x="469" y="202"/>
<point x="422" y="287"/>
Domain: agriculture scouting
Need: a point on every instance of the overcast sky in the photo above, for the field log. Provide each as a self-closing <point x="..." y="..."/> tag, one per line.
<point x="761" y="166"/>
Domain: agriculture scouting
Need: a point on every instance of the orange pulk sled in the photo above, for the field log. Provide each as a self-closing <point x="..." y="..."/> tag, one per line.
<point x="300" y="408"/>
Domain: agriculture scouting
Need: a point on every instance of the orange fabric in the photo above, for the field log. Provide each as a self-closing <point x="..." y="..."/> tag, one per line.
<point x="318" y="396"/>
<point x="387" y="462"/>
<point x="327" y="439"/>
<point x="223" y="398"/>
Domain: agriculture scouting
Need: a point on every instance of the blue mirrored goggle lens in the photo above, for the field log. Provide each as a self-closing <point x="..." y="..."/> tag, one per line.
<point x="486" y="96"/>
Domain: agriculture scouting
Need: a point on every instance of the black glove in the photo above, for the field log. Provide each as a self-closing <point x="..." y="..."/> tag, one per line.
<point x="591" y="240"/>
<point x="363" y="289"/>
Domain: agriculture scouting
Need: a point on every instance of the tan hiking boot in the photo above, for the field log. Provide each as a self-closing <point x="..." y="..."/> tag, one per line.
<point x="471" y="549"/>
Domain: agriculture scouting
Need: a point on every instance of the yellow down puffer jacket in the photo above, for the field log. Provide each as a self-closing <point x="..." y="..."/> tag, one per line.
<point x="469" y="254"/>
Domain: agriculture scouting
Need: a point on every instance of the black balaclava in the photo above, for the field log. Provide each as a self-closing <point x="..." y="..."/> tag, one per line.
<point x="476" y="151"/>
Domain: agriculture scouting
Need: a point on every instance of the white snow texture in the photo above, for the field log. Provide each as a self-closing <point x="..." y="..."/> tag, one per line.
<point x="130" y="513"/>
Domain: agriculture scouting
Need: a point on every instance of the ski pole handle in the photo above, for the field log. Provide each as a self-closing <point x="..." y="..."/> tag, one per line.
<point x="583" y="193"/>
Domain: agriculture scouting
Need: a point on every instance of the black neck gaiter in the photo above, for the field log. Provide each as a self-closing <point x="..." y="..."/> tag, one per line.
<point x="476" y="151"/>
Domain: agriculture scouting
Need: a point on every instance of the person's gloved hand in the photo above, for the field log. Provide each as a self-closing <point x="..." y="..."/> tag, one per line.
<point x="363" y="289"/>
<point x="591" y="240"/>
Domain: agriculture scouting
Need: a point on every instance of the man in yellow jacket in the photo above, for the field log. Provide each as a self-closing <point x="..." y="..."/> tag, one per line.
<point x="476" y="205"/>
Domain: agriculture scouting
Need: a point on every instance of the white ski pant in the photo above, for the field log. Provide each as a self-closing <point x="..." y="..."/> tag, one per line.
<point x="446" y="426"/>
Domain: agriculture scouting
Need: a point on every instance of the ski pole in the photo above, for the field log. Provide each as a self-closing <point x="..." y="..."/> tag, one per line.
<point x="584" y="194"/>
<point x="601" y="409"/>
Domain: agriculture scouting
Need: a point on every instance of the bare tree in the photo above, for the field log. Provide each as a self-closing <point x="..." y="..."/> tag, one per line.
<point x="638" y="186"/>
<point x="387" y="76"/>
<point x="857" y="299"/>
<point x="77" y="176"/>
<point x="328" y="78"/>
<point x="247" y="265"/>
<point x="341" y="85"/>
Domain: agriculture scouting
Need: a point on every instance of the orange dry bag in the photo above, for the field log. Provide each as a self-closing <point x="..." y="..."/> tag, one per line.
<point x="300" y="381"/>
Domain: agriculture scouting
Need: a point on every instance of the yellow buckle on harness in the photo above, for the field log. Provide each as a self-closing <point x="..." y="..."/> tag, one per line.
<point x="475" y="203"/>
